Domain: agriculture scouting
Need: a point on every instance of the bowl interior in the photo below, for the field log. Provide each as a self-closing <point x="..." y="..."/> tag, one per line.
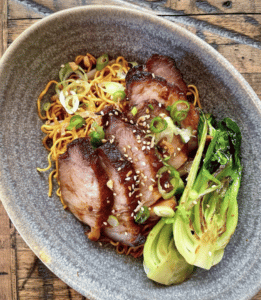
<point x="54" y="234"/>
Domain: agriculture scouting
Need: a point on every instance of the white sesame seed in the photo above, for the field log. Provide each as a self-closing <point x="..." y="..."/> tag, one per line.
<point x="116" y="113"/>
<point x="104" y="141"/>
<point x="131" y="121"/>
<point x="160" y="104"/>
<point x="128" y="178"/>
<point x="129" y="194"/>
<point x="143" y="148"/>
<point x="114" y="194"/>
<point x="126" y="233"/>
<point x="129" y="146"/>
<point x="134" y="130"/>
<point x="143" y="163"/>
<point x="107" y="123"/>
<point x="139" y="141"/>
<point x="178" y="149"/>
<point x="105" y="223"/>
<point x="119" y="169"/>
<point x="151" y="188"/>
<point x="102" y="113"/>
<point x="129" y="173"/>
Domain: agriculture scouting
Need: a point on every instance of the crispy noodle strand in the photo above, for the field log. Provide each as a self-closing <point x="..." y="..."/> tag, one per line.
<point x="57" y="137"/>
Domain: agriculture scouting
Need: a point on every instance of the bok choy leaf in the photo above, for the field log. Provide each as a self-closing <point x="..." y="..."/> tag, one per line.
<point x="208" y="213"/>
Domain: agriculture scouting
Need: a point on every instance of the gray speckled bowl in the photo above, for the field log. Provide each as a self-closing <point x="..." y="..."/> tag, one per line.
<point x="54" y="234"/>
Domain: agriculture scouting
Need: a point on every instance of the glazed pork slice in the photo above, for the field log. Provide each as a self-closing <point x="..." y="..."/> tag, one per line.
<point x="133" y="145"/>
<point x="144" y="86"/>
<point x="83" y="184"/>
<point x="165" y="66"/>
<point x="121" y="177"/>
<point x="177" y="150"/>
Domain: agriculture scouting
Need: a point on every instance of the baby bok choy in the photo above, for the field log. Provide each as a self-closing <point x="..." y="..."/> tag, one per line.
<point x="207" y="214"/>
<point x="162" y="262"/>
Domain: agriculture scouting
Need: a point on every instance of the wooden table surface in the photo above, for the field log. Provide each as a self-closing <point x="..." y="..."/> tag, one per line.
<point x="233" y="28"/>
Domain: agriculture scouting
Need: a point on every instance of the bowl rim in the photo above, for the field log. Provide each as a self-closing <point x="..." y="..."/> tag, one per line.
<point x="164" y="22"/>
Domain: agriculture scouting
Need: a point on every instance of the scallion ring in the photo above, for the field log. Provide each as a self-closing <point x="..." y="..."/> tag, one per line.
<point x="102" y="62"/>
<point x="142" y="215"/>
<point x="76" y="121"/>
<point x="174" y="179"/>
<point x="118" y="96"/>
<point x="158" y="125"/>
<point x="179" y="114"/>
<point x="46" y="106"/>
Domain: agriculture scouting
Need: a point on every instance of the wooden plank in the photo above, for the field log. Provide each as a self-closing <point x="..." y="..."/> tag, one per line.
<point x="209" y="6"/>
<point x="8" y="258"/>
<point x="3" y="26"/>
<point x="40" y="8"/>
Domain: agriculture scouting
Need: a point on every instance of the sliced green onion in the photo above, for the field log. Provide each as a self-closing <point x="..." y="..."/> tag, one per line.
<point x="158" y="125"/>
<point x="77" y="122"/>
<point x="121" y="74"/>
<point x="70" y="102"/>
<point x="133" y="63"/>
<point x="151" y="106"/>
<point x="142" y="215"/>
<point x="113" y="221"/>
<point x="111" y="87"/>
<point x="164" y="211"/>
<point x="46" y="106"/>
<point x="177" y="114"/>
<point x="160" y="156"/>
<point x="97" y="135"/>
<point x="175" y="181"/>
<point x="102" y="62"/>
<point x="118" y="96"/>
<point x="134" y="110"/>
<point x="66" y="71"/>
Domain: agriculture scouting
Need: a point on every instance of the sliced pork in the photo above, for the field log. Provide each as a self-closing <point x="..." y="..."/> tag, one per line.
<point x="144" y="86"/>
<point x="126" y="195"/>
<point x="165" y="67"/>
<point x="83" y="184"/>
<point x="133" y="145"/>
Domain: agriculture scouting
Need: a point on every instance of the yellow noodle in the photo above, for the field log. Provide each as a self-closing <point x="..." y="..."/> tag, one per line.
<point x="96" y="99"/>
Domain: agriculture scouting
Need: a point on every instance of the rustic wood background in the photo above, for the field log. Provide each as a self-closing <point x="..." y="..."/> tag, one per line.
<point x="233" y="28"/>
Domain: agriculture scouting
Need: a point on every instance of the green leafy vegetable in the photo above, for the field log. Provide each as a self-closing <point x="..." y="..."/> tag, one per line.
<point x="162" y="261"/>
<point x="208" y="213"/>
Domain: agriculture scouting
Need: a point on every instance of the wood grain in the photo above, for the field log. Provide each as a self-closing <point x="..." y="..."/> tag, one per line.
<point x="232" y="27"/>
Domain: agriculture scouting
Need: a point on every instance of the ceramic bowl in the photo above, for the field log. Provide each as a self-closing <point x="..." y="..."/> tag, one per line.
<point x="55" y="236"/>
